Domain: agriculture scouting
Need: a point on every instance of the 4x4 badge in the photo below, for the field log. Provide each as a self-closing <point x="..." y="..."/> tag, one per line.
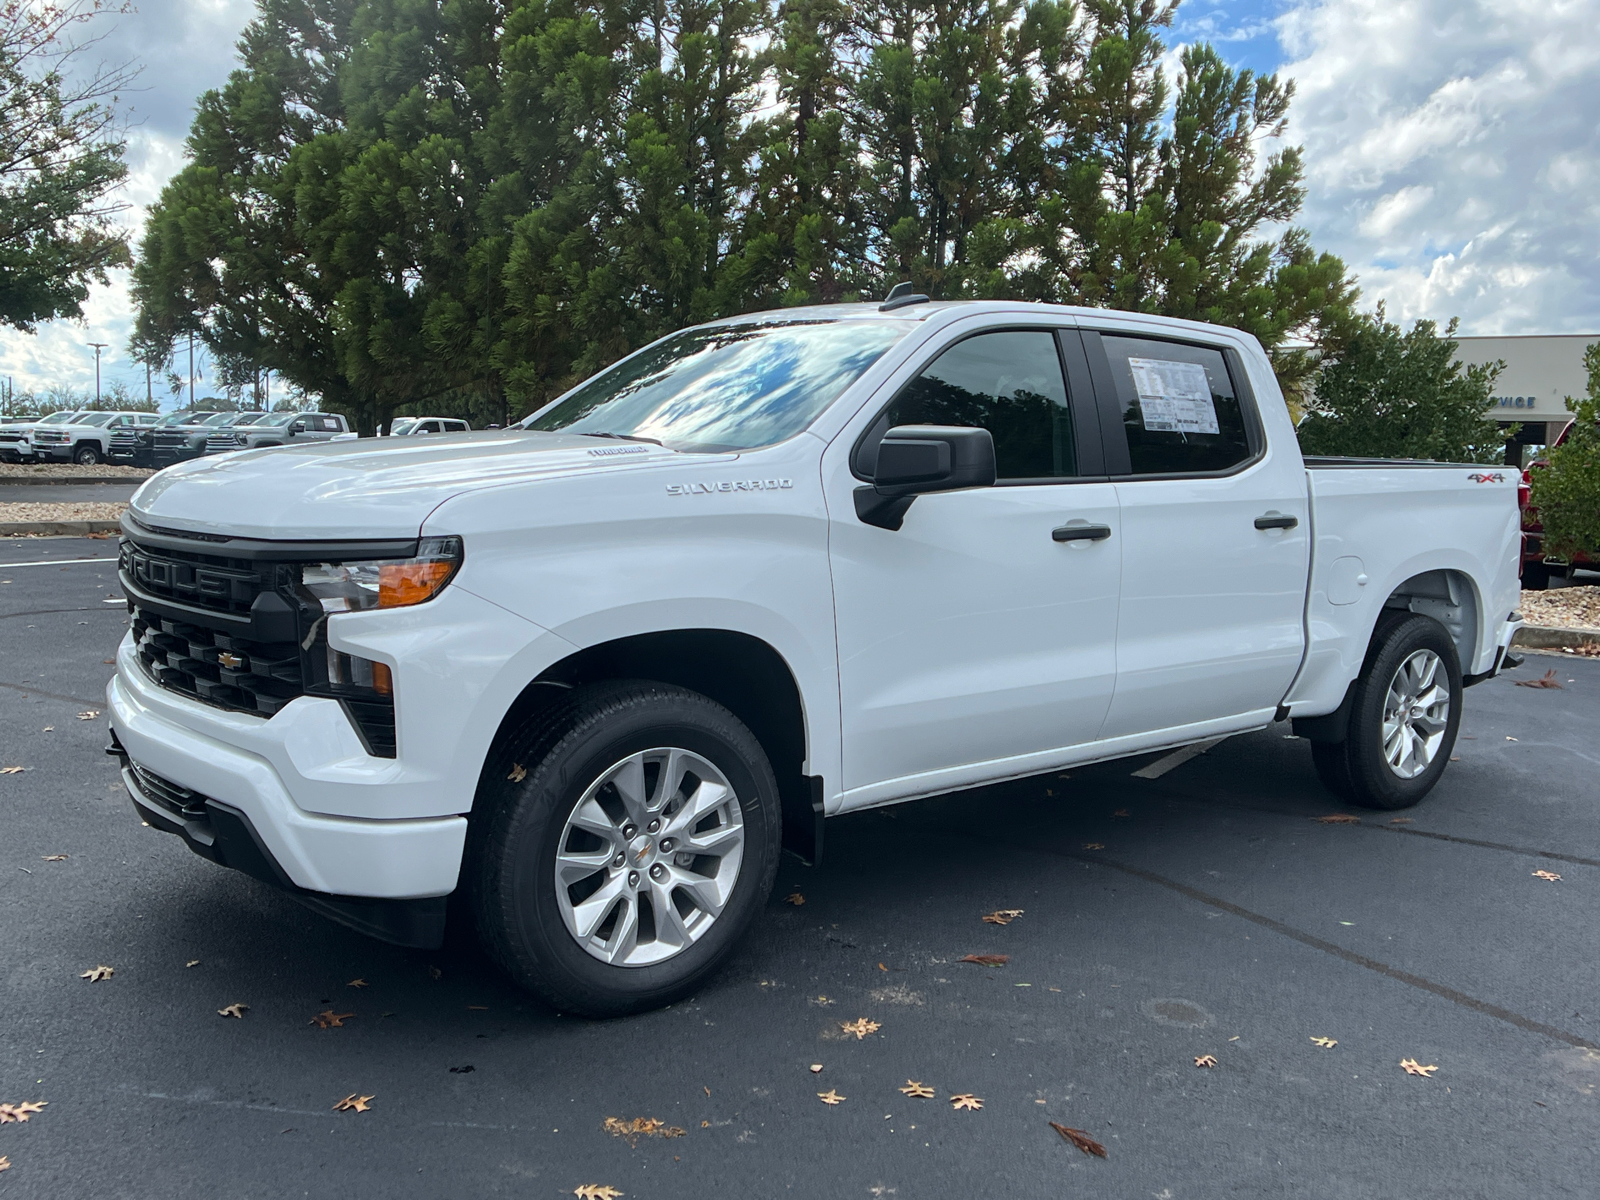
<point x="1478" y="477"/>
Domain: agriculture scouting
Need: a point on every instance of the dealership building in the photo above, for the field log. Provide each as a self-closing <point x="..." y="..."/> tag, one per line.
<point x="1542" y="370"/>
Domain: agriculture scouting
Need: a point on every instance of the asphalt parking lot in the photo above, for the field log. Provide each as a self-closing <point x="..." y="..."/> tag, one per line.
<point x="1202" y="913"/>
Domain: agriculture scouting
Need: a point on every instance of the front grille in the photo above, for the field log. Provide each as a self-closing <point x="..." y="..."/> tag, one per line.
<point x="210" y="581"/>
<point x="216" y="666"/>
<point x="49" y="437"/>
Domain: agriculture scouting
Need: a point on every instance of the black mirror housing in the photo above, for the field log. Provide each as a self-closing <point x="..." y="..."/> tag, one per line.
<point x="916" y="459"/>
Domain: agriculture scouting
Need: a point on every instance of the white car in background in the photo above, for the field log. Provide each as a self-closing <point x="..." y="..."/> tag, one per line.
<point x="86" y="438"/>
<point x="417" y="426"/>
<point x="16" y="437"/>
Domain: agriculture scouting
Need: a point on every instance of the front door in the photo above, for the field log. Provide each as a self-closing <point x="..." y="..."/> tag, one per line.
<point x="975" y="634"/>
<point x="1210" y="620"/>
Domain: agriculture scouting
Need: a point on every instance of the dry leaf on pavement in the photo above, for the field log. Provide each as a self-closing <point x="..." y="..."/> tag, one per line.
<point x="1400" y="820"/>
<point x="54" y="857"/>
<point x="5" y="1163"/>
<point x="917" y="1091"/>
<point x="816" y="1068"/>
<point x="831" y="1097"/>
<point x="328" y="1019"/>
<point x="1206" y="1060"/>
<point x="1412" y="1067"/>
<point x="1338" y="819"/>
<point x="233" y="1010"/>
<point x="96" y="974"/>
<point x="640" y="1127"/>
<point x="193" y="962"/>
<point x="1547" y="680"/>
<point x="353" y="1103"/>
<point x="1094" y="845"/>
<point x="986" y="960"/>
<point x="90" y="714"/>
<point x="1122" y="812"/>
<point x="860" y="1027"/>
<point x="20" y="1112"/>
<point x="794" y="898"/>
<point x="822" y="1001"/>
<point x="518" y="773"/>
<point x="357" y="983"/>
<point x="13" y="770"/>
<point x="965" y="1100"/>
<point x="1002" y="916"/>
<point x="1551" y="876"/>
<point x="1080" y="1139"/>
<point x="596" y="1191"/>
<point x="1327" y="1043"/>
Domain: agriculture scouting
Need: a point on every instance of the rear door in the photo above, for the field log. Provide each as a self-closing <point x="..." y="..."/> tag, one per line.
<point x="1215" y="536"/>
<point x="976" y="634"/>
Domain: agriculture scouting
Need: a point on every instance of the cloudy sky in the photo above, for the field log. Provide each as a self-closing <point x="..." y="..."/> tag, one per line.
<point x="1453" y="149"/>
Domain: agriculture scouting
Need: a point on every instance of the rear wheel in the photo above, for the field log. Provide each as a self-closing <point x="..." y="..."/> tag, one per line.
<point x="1404" y="713"/>
<point x="622" y="842"/>
<point x="86" y="455"/>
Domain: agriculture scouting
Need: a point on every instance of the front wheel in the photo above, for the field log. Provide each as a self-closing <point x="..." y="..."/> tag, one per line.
<point x="1404" y="714"/>
<point x="86" y="456"/>
<point x="622" y="841"/>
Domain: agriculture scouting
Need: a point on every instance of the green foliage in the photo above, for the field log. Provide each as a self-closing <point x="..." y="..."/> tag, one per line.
<point x="1567" y="491"/>
<point x="1391" y="394"/>
<point x="60" y="162"/>
<point x="465" y="206"/>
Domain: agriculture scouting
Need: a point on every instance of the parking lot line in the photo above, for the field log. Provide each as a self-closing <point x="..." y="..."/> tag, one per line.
<point x="59" y="562"/>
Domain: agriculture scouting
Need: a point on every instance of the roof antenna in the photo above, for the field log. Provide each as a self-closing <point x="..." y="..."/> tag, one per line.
<point x="901" y="295"/>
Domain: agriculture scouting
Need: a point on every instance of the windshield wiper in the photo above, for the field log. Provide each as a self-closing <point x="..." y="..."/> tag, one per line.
<point x="625" y="437"/>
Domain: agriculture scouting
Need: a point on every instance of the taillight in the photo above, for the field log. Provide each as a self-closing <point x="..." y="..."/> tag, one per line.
<point x="1524" y="490"/>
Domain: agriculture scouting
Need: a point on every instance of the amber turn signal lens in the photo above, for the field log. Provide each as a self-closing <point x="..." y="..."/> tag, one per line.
<point x="382" y="680"/>
<point x="402" y="584"/>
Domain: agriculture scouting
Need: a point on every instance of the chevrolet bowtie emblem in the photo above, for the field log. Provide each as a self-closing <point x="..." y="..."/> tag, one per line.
<point x="231" y="661"/>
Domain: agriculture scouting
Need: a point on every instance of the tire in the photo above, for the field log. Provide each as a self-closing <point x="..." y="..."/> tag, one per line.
<point x="575" y="750"/>
<point x="1535" y="576"/>
<point x="1398" y="772"/>
<point x="86" y="455"/>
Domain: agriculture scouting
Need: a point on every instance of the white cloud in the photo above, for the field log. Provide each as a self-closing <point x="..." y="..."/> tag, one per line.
<point x="1451" y="148"/>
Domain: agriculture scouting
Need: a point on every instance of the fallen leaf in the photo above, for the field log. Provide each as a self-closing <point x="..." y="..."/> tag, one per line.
<point x="20" y="1112"/>
<point x="860" y="1027"/>
<point x="1547" y="680"/>
<point x="1338" y="819"/>
<point x="1122" y="812"/>
<point x="1002" y="916"/>
<point x="466" y="1070"/>
<point x="1411" y="1067"/>
<point x="1509" y="738"/>
<point x="1206" y="1060"/>
<point x="328" y="1019"/>
<point x="1400" y="820"/>
<point x="1327" y="1043"/>
<point x="965" y="1100"/>
<point x="816" y="1068"/>
<point x="48" y="729"/>
<point x="233" y="1010"/>
<point x="54" y="857"/>
<point x="353" y="1103"/>
<point x="1548" y="875"/>
<point x="518" y="773"/>
<point x="831" y="1097"/>
<point x="881" y="967"/>
<point x="986" y="960"/>
<point x="193" y="962"/>
<point x="14" y="770"/>
<point x="596" y="1191"/>
<point x="917" y="1091"/>
<point x="90" y="714"/>
<point x="1094" y="845"/>
<point x="357" y="983"/>
<point x="110" y="662"/>
<point x="96" y="974"/>
<point x="640" y="1127"/>
<point x="1080" y="1139"/>
<point x="794" y="898"/>
<point x="5" y="1163"/>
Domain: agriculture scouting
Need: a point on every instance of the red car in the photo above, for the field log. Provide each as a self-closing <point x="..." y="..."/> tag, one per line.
<point x="1536" y="567"/>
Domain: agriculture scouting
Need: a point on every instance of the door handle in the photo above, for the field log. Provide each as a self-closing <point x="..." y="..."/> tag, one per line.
<point x="1276" y="521"/>
<point x="1081" y="533"/>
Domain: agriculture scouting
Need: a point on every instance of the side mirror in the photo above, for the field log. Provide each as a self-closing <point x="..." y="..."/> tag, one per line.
<point x="916" y="459"/>
<point x="298" y="427"/>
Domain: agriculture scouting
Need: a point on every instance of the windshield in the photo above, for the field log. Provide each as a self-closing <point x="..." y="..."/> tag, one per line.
<point x="56" y="418"/>
<point x="402" y="425"/>
<point x="249" y="418"/>
<point x="277" y="420"/>
<point x="178" y="418"/>
<point x="94" y="418"/>
<point x="78" y="418"/>
<point x="728" y="387"/>
<point x="220" y="419"/>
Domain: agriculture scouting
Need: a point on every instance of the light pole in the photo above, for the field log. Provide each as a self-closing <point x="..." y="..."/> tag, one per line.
<point x="98" y="346"/>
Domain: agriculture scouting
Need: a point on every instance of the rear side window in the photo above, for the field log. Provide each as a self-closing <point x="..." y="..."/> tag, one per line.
<point x="1008" y="382"/>
<point x="1178" y="406"/>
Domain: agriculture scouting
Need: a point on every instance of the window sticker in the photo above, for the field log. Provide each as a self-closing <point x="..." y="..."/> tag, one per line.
<point x="1174" y="397"/>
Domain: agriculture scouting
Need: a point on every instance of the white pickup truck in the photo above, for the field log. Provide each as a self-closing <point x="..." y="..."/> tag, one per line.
<point x="588" y="674"/>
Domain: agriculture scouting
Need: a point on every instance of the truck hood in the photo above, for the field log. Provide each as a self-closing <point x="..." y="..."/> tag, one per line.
<point x="370" y="488"/>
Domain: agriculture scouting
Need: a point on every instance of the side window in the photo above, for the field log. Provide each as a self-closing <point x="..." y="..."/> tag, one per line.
<point x="1008" y="382"/>
<point x="1178" y="406"/>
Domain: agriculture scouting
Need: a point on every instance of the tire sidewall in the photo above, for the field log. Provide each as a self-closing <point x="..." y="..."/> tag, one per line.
<point x="536" y="930"/>
<point x="1376" y="783"/>
<point x="86" y="456"/>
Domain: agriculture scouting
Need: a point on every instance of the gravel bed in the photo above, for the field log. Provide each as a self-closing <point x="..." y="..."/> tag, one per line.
<point x="21" y="471"/>
<point x="1564" y="608"/>
<point x="82" y="511"/>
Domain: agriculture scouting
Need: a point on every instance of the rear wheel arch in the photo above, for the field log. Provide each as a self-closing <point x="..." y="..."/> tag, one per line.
<point x="1450" y="598"/>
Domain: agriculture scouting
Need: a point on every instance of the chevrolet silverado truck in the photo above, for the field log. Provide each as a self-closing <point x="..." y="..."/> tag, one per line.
<point x="277" y="429"/>
<point x="86" y="439"/>
<point x="16" y="439"/>
<point x="139" y="445"/>
<point x="588" y="675"/>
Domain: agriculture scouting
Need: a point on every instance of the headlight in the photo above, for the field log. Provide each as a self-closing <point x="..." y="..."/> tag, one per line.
<point x="385" y="583"/>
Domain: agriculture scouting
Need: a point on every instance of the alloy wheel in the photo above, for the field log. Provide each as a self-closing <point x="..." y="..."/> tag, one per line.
<point x="1416" y="713"/>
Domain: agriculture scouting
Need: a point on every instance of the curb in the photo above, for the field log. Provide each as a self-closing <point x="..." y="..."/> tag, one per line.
<point x="24" y="481"/>
<point x="58" y="528"/>
<point x="1554" y="637"/>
